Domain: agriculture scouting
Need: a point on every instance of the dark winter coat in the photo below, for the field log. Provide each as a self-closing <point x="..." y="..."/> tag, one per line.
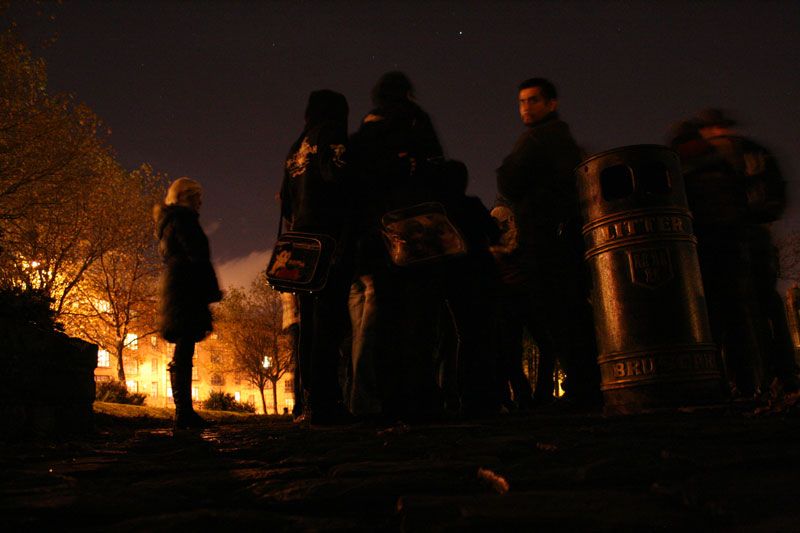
<point x="313" y="192"/>
<point x="716" y="195"/>
<point x="763" y="181"/>
<point x="537" y="179"/>
<point x="538" y="183"/>
<point x="188" y="281"/>
<point x="392" y="156"/>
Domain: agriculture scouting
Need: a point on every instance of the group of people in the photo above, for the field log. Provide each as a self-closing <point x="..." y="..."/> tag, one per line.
<point x="389" y="341"/>
<point x="444" y="335"/>
<point x="735" y="190"/>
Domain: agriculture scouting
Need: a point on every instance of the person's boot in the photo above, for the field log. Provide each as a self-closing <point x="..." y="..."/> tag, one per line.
<point x="185" y="415"/>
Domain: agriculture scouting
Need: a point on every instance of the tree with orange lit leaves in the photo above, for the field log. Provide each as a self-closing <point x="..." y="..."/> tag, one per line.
<point x="74" y="225"/>
<point x="57" y="181"/>
<point x="249" y="323"/>
<point x="116" y="299"/>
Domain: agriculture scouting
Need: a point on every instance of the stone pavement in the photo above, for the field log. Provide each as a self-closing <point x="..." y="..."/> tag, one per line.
<point x="718" y="469"/>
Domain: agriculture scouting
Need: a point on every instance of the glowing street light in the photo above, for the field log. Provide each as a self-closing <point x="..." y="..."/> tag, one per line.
<point x="266" y="363"/>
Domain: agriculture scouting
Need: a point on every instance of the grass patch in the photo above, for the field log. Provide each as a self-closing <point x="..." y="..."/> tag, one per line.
<point x="165" y="414"/>
<point x="121" y="410"/>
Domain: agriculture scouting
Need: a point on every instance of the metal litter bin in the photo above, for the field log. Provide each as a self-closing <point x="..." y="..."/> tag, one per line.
<point x="654" y="343"/>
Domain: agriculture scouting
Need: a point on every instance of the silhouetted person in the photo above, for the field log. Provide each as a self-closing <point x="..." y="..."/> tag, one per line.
<point x="188" y="286"/>
<point x="471" y="283"/>
<point x="765" y="195"/>
<point x="514" y="386"/>
<point x="314" y="200"/>
<point x="394" y="311"/>
<point x="537" y="182"/>
<point x="718" y="201"/>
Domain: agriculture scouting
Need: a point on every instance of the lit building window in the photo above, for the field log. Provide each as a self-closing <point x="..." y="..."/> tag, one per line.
<point x="154" y="365"/>
<point x="217" y="380"/>
<point x="154" y="389"/>
<point x="195" y="375"/>
<point x="132" y="341"/>
<point x="288" y="386"/>
<point x="169" y="391"/>
<point x="131" y="366"/>
<point x="102" y="379"/>
<point x="103" y="359"/>
<point x="133" y="386"/>
<point x="237" y="396"/>
<point x="195" y="393"/>
<point x="289" y="403"/>
<point x="153" y="340"/>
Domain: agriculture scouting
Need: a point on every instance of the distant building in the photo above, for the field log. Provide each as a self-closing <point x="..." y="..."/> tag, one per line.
<point x="145" y="363"/>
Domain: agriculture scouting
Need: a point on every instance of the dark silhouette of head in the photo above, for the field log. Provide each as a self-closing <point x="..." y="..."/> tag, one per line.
<point x="325" y="105"/>
<point x="682" y="132"/>
<point x="392" y="87"/>
<point x="545" y="86"/>
<point x="713" y="117"/>
<point x="713" y="122"/>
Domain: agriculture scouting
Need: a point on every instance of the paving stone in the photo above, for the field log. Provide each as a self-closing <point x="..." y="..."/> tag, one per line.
<point x="714" y="469"/>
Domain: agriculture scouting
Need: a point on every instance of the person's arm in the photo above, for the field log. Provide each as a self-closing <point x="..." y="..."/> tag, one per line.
<point x="515" y="175"/>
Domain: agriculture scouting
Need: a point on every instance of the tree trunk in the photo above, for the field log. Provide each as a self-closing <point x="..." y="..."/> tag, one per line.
<point x="275" y="396"/>
<point x="120" y="363"/>
<point x="263" y="400"/>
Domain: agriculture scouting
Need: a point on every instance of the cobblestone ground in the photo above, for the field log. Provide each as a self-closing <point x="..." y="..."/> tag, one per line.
<point x="723" y="469"/>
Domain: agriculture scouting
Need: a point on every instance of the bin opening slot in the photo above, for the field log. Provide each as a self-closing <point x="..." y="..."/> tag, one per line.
<point x="653" y="178"/>
<point x="616" y="182"/>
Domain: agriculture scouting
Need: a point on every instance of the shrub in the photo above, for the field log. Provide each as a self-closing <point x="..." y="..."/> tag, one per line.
<point x="117" y="392"/>
<point x="223" y="401"/>
<point x="28" y="305"/>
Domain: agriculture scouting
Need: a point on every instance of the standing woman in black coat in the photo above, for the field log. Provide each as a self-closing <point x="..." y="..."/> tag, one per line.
<point x="314" y="197"/>
<point x="188" y="286"/>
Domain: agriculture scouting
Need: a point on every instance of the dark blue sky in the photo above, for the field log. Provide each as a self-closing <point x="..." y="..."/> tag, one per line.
<point x="216" y="90"/>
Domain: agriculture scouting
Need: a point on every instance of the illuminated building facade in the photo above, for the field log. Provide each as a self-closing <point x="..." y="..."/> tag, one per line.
<point x="145" y="363"/>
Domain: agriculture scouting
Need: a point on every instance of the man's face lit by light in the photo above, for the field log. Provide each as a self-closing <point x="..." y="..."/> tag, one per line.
<point x="533" y="106"/>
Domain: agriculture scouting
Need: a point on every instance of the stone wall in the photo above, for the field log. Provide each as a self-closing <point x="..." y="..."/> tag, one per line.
<point x="47" y="382"/>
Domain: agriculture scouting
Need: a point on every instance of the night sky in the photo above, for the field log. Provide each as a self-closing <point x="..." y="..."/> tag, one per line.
<point x="216" y="90"/>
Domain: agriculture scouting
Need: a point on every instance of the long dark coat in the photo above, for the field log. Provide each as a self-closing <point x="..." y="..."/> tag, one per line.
<point x="188" y="281"/>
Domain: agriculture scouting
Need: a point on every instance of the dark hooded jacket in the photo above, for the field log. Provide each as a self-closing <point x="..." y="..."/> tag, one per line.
<point x="188" y="281"/>
<point x="313" y="195"/>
